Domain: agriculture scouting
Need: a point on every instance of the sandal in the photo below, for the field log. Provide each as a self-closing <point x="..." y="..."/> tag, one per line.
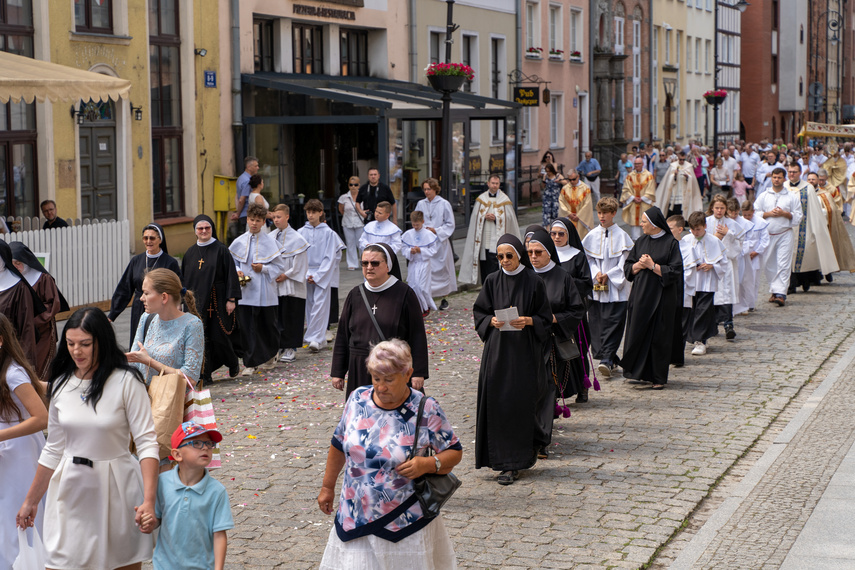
<point x="658" y="387"/>
<point x="508" y="477"/>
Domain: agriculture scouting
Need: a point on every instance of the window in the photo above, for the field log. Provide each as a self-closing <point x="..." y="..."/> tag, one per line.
<point x="636" y="79"/>
<point x="532" y="25"/>
<point x="308" y="50"/>
<point x="575" y="31"/>
<point x="688" y="118"/>
<point x="166" y="124"/>
<point x="354" y="52"/>
<point x="774" y="69"/>
<point x="707" y="49"/>
<point x="497" y="73"/>
<point x="709" y="5"/>
<point x="697" y="55"/>
<point x="262" y="35"/>
<point x="18" y="173"/>
<point x="618" y="35"/>
<point x="470" y="58"/>
<point x="530" y="128"/>
<point x="556" y="39"/>
<point x="556" y="121"/>
<point x="677" y="47"/>
<point x="654" y="104"/>
<point x="91" y="16"/>
<point x="435" y="45"/>
<point x="688" y="53"/>
<point x="667" y="46"/>
<point x="697" y="114"/>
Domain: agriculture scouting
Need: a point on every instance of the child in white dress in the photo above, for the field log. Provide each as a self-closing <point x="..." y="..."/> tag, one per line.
<point x="419" y="245"/>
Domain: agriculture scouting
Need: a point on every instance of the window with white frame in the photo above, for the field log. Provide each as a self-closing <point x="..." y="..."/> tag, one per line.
<point x="618" y="35"/>
<point x="697" y="55"/>
<point x="498" y="73"/>
<point x="667" y="46"/>
<point x="688" y="53"/>
<point x="556" y="37"/>
<point x="436" y="43"/>
<point x="636" y="79"/>
<point x="688" y="118"/>
<point x="707" y="49"/>
<point x="530" y="128"/>
<point x="469" y="48"/>
<point x="709" y="5"/>
<point x="556" y="121"/>
<point x="697" y="114"/>
<point x="699" y="4"/>
<point x="576" y="34"/>
<point x="677" y="47"/>
<point x="532" y="25"/>
<point x="654" y="104"/>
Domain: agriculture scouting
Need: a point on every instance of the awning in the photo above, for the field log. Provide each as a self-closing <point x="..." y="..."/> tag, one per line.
<point x="28" y="79"/>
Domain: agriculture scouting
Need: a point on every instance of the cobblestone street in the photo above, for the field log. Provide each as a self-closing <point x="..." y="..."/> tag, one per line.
<point x="628" y="468"/>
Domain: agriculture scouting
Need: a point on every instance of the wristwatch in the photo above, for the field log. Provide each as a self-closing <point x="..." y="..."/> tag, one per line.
<point x="438" y="463"/>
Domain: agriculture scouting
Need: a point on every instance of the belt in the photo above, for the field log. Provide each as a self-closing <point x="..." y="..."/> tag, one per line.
<point x="779" y="233"/>
<point x="82" y="461"/>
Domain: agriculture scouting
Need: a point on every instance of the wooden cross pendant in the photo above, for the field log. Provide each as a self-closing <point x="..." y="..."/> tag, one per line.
<point x="210" y="311"/>
<point x="201" y="261"/>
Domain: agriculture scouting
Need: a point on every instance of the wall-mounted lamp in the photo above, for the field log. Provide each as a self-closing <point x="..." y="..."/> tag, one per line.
<point x="201" y="52"/>
<point x="546" y="96"/>
<point x="78" y="114"/>
<point x="137" y="111"/>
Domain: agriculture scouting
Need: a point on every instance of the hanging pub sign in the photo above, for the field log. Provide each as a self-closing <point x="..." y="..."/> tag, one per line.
<point x="527" y="96"/>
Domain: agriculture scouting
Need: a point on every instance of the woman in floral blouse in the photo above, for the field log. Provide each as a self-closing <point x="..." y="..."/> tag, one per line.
<point x="379" y="522"/>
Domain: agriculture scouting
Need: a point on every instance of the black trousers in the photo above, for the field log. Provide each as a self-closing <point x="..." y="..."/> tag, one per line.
<point x="290" y="318"/>
<point x="677" y="209"/>
<point x="259" y="335"/>
<point x="607" y="322"/>
<point x="724" y="314"/>
<point x="488" y="265"/>
<point x="702" y="324"/>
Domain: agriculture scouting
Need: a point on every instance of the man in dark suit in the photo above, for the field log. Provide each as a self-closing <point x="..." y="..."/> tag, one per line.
<point x="372" y="193"/>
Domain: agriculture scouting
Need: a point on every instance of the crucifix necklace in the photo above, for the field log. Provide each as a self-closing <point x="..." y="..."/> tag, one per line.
<point x="201" y="261"/>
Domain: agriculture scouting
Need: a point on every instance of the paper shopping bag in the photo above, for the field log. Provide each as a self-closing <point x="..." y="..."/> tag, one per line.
<point x="199" y="408"/>
<point x="167" y="393"/>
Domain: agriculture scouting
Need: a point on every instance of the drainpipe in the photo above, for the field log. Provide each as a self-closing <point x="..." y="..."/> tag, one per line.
<point x="414" y="63"/>
<point x="237" y="114"/>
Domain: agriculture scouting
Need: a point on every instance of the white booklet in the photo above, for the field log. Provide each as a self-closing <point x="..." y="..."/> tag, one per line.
<point x="506" y="316"/>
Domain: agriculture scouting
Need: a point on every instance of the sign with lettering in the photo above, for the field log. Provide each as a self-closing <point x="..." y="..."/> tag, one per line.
<point x="474" y="164"/>
<point x="318" y="12"/>
<point x="210" y="79"/>
<point x="527" y="96"/>
<point x="497" y="163"/>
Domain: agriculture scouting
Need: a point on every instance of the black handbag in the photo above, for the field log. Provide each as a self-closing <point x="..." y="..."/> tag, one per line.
<point x="566" y="349"/>
<point x="431" y="490"/>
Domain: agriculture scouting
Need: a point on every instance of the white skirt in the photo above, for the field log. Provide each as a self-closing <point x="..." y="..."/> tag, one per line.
<point x="428" y="549"/>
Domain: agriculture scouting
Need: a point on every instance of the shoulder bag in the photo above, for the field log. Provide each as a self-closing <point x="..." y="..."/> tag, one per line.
<point x="566" y="349"/>
<point x="371" y="313"/>
<point x="431" y="490"/>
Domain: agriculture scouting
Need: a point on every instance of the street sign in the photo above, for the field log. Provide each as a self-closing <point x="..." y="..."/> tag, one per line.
<point x="816" y="88"/>
<point x="210" y="79"/>
<point x="527" y="96"/>
<point x="816" y="103"/>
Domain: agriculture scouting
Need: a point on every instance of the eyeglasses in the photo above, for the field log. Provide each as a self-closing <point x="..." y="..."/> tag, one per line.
<point x="198" y="444"/>
<point x="536" y="252"/>
<point x="203" y="228"/>
<point x="373" y="263"/>
<point x="149" y="238"/>
<point x="572" y="179"/>
<point x="353" y="185"/>
<point x="501" y="256"/>
<point x="557" y="234"/>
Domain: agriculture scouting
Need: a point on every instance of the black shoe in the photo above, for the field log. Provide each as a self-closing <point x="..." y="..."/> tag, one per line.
<point x="791" y="290"/>
<point x="729" y="333"/>
<point x="805" y="286"/>
<point x="542" y="452"/>
<point x="234" y="370"/>
<point x="443" y="305"/>
<point x="829" y="278"/>
<point x="582" y="397"/>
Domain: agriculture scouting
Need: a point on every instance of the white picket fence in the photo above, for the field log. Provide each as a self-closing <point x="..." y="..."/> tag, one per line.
<point x="86" y="259"/>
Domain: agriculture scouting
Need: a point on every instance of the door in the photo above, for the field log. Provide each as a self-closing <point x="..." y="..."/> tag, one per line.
<point x="98" y="194"/>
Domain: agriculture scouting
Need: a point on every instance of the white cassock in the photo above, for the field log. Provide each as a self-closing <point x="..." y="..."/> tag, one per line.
<point x="323" y="267"/>
<point x="439" y="216"/>
<point x="778" y="257"/>
<point x="726" y="294"/>
<point x="679" y="187"/>
<point x="690" y="267"/>
<point x="606" y="251"/>
<point x="247" y="249"/>
<point x="295" y="260"/>
<point x="709" y="249"/>
<point x="419" y="266"/>
<point x="381" y="232"/>
<point x="483" y="234"/>
<point x="812" y="246"/>
<point x="756" y="240"/>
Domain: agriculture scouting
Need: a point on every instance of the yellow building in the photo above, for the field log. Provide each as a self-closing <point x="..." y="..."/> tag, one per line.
<point x="669" y="70"/>
<point x="142" y="159"/>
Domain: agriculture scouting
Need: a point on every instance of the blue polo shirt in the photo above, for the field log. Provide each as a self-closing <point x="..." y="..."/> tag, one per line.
<point x="243" y="191"/>
<point x="189" y="517"/>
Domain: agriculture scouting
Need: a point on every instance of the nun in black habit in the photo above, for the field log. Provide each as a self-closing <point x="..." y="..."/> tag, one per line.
<point x="209" y="271"/>
<point x="398" y="314"/>
<point x="571" y="256"/>
<point x="655" y="268"/>
<point x="129" y="288"/>
<point x="513" y="364"/>
<point x="567" y="312"/>
<point x="20" y="303"/>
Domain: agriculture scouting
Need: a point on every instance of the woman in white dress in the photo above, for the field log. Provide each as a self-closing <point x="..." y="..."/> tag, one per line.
<point x="23" y="416"/>
<point x="353" y="219"/>
<point x="96" y="490"/>
<point x="256" y="185"/>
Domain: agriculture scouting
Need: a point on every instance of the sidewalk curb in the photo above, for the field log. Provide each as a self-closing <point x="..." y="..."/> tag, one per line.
<point x="705" y="535"/>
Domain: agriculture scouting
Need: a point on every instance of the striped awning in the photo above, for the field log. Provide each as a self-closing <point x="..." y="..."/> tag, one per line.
<point x="27" y="79"/>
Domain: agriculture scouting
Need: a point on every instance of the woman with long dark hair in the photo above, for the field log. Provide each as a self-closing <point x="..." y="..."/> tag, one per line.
<point x="96" y="490"/>
<point x="23" y="417"/>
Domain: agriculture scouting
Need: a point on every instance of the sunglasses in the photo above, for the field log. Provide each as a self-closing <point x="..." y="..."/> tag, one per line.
<point x="353" y="185"/>
<point x="557" y="234"/>
<point x="203" y="228"/>
<point x="536" y="252"/>
<point x="149" y="238"/>
<point x="508" y="256"/>
<point x="572" y="179"/>
<point x="373" y="263"/>
<point x="198" y="444"/>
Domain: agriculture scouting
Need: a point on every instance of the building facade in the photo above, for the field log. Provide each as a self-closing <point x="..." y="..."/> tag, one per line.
<point x="555" y="44"/>
<point x="668" y="76"/>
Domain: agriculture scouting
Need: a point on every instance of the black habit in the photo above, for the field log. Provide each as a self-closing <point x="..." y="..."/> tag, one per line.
<point x="209" y="271"/>
<point x="513" y="370"/>
<point x="399" y="316"/>
<point x="654" y="311"/>
<point x="129" y="287"/>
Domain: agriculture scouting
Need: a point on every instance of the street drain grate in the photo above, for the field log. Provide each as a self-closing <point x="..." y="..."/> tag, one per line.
<point x="776" y="328"/>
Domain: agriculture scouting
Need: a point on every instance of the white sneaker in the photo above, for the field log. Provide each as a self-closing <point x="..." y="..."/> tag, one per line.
<point x="248" y="371"/>
<point x="267" y="365"/>
<point x="314" y="346"/>
<point x="288" y="355"/>
<point x="700" y="349"/>
<point x="605" y="370"/>
<point x="330" y="336"/>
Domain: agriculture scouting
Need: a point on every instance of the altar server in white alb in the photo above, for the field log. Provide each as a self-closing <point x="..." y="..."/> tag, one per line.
<point x="710" y="262"/>
<point x="257" y="256"/>
<point x="754" y="245"/>
<point x="730" y="233"/>
<point x="439" y="219"/>
<point x="291" y="284"/>
<point x="381" y="230"/>
<point x="324" y="256"/>
<point x="782" y="210"/>
<point x="419" y="246"/>
<point x="606" y="247"/>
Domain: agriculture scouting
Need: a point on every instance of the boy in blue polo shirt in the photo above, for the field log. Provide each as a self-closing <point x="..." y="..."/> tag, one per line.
<point x="192" y="508"/>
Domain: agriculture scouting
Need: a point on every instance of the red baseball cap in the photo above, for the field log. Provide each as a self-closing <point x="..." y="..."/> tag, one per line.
<point x="188" y="430"/>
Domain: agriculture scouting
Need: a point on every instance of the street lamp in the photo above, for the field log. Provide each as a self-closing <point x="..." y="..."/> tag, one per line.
<point x="445" y="158"/>
<point x="741" y="5"/>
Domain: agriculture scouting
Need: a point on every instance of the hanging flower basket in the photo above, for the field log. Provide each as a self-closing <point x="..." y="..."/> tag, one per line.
<point x="448" y="77"/>
<point x="716" y="97"/>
